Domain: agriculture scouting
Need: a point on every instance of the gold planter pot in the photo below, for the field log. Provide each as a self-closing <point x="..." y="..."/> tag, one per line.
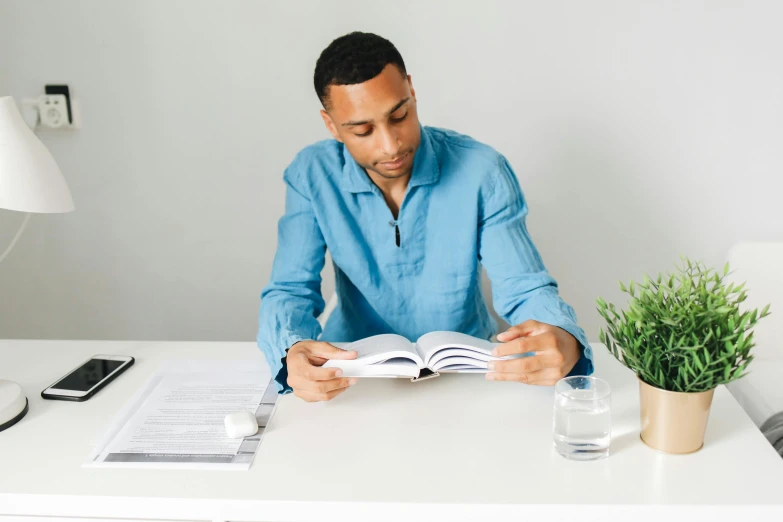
<point x="673" y="422"/>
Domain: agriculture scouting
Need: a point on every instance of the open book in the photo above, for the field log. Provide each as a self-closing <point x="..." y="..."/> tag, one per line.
<point x="392" y="355"/>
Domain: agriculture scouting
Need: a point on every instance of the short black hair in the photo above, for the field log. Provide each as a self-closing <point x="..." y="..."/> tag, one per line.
<point x="354" y="58"/>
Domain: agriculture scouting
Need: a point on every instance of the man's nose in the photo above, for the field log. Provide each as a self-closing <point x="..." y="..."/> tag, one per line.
<point x="390" y="143"/>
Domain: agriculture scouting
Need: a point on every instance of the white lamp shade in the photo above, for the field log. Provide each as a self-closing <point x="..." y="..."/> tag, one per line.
<point x="30" y="180"/>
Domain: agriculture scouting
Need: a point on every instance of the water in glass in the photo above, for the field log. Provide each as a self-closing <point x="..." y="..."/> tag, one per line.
<point x="582" y="418"/>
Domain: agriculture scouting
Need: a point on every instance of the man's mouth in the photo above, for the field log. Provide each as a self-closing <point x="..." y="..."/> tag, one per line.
<point x="395" y="164"/>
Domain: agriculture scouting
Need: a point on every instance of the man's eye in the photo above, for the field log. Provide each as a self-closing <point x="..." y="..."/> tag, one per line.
<point x="398" y="120"/>
<point x="364" y="134"/>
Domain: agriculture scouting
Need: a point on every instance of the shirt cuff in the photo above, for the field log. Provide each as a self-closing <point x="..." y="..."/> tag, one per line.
<point x="584" y="366"/>
<point x="281" y="377"/>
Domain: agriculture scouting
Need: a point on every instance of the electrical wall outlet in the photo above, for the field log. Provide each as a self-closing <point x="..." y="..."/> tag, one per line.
<point x="53" y="111"/>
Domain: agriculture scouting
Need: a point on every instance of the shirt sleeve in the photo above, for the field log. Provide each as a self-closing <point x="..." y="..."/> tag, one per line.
<point x="522" y="288"/>
<point x="292" y="300"/>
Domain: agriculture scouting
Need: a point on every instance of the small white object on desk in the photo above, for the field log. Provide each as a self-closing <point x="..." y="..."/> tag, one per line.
<point x="241" y="424"/>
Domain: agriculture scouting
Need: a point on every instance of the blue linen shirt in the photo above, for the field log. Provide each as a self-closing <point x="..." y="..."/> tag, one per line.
<point x="463" y="209"/>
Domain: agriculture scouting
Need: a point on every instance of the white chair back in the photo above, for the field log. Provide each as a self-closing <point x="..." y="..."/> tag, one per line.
<point x="761" y="266"/>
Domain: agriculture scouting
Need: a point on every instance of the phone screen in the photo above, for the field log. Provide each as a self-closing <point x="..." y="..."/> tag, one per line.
<point x="88" y="375"/>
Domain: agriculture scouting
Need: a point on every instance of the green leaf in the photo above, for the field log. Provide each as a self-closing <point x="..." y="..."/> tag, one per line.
<point x="699" y="364"/>
<point x="730" y="347"/>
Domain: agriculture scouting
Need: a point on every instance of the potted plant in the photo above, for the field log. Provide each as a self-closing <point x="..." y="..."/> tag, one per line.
<point x="683" y="335"/>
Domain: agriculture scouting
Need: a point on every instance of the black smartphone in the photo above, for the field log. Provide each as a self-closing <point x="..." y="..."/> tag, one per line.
<point x="62" y="89"/>
<point x="88" y="378"/>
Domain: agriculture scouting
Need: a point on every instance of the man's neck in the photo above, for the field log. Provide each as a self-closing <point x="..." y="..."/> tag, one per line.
<point x="393" y="189"/>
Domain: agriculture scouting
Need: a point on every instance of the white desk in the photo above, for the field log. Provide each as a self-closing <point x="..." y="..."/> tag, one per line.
<point x="452" y="448"/>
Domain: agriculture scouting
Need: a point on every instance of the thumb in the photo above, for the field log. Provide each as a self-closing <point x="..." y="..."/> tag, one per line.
<point x="521" y="330"/>
<point x="328" y="351"/>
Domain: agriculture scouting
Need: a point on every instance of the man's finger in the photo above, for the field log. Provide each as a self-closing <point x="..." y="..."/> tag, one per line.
<point x="523" y="345"/>
<point x="334" y="384"/>
<point x="300" y="365"/>
<point x="328" y="351"/>
<point x="302" y="383"/>
<point x="521" y="330"/>
<point x="545" y="377"/>
<point x="525" y="365"/>
<point x="515" y="377"/>
<point x="319" y="373"/>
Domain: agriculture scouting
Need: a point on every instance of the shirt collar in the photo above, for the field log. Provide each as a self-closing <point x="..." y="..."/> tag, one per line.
<point x="425" y="168"/>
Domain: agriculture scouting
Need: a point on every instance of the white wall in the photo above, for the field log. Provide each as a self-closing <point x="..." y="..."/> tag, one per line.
<point x="639" y="131"/>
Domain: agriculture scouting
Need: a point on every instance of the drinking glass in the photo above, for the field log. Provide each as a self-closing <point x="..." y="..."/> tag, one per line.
<point x="582" y="423"/>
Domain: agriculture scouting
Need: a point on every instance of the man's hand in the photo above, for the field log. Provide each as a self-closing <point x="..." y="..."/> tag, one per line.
<point x="554" y="352"/>
<point x="305" y="375"/>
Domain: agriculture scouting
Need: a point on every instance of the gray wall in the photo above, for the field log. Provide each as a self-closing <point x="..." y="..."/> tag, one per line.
<point x="639" y="131"/>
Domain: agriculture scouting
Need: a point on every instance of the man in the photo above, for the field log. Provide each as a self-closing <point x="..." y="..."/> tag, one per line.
<point x="409" y="214"/>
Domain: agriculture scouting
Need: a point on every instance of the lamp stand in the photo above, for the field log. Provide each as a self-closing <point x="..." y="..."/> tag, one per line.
<point x="16" y="237"/>
<point x="13" y="403"/>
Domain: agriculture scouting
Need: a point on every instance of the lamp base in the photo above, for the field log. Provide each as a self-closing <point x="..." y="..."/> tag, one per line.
<point x="13" y="404"/>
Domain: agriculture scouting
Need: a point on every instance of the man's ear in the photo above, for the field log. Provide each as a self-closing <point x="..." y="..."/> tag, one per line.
<point x="410" y="84"/>
<point x="330" y="126"/>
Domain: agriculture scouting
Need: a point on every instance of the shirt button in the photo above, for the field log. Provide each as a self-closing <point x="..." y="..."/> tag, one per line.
<point x="392" y="223"/>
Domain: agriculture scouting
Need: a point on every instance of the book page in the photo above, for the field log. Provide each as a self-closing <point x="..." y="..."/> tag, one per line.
<point x="397" y="367"/>
<point x="458" y="363"/>
<point x="461" y="368"/>
<point x="376" y="350"/>
<point x="429" y="344"/>
<point x="476" y="358"/>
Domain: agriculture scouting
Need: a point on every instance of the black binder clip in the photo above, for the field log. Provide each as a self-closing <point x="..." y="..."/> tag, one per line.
<point x="425" y="374"/>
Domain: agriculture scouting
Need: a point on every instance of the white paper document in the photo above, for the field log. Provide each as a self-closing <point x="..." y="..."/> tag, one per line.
<point x="176" y="420"/>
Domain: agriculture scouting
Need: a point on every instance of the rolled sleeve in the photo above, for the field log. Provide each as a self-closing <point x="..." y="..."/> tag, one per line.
<point x="522" y="288"/>
<point x="292" y="300"/>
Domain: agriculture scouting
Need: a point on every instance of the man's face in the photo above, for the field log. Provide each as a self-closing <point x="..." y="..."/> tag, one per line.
<point x="377" y="122"/>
